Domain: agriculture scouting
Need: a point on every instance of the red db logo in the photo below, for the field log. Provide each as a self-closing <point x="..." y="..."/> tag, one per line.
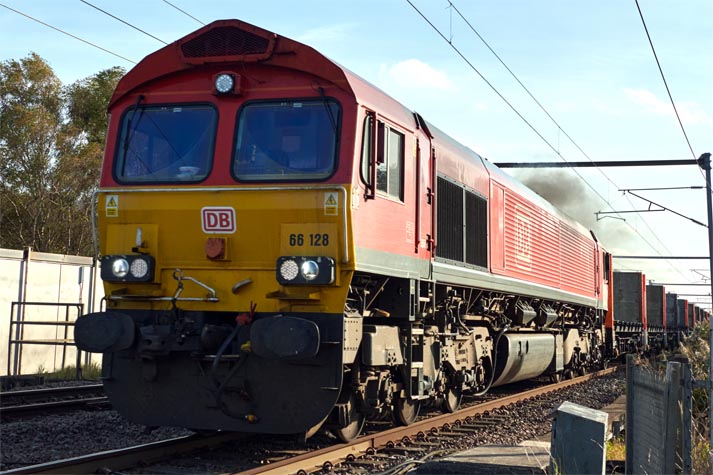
<point x="218" y="219"/>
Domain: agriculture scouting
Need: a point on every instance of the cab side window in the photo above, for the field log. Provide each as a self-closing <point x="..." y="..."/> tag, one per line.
<point x="386" y="155"/>
<point x="390" y="162"/>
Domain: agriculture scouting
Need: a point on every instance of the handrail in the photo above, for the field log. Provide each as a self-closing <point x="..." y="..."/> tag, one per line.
<point x="177" y="275"/>
<point x="19" y="340"/>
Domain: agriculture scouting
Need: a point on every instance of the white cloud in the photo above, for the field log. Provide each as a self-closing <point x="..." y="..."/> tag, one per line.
<point x="326" y="34"/>
<point x="649" y="100"/>
<point x="413" y="74"/>
<point x="481" y="106"/>
<point x="690" y="112"/>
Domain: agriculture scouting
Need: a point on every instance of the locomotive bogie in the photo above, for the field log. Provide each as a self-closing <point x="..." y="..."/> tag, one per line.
<point x="381" y="346"/>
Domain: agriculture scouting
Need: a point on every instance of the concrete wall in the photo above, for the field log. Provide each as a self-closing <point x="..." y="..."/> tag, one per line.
<point x="50" y="279"/>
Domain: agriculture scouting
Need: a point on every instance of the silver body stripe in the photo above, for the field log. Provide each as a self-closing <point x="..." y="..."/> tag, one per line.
<point x="395" y="265"/>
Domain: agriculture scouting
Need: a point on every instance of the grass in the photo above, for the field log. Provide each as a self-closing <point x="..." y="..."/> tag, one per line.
<point x="616" y="449"/>
<point x="89" y="372"/>
<point x="697" y="350"/>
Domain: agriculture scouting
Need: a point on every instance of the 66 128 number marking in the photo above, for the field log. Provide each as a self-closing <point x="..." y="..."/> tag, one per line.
<point x="314" y="240"/>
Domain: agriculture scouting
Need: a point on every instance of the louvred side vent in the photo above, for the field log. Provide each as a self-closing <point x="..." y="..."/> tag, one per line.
<point x="227" y="43"/>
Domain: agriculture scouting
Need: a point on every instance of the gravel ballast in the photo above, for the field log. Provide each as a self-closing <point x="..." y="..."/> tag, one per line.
<point x="54" y="437"/>
<point x="60" y="436"/>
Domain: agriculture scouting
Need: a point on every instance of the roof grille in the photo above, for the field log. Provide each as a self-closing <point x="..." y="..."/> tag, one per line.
<point x="226" y="41"/>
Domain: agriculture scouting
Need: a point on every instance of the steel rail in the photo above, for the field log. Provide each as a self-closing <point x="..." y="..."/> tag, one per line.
<point x="47" y="393"/>
<point x="24" y="403"/>
<point x="313" y="461"/>
<point x="42" y="407"/>
<point x="115" y="460"/>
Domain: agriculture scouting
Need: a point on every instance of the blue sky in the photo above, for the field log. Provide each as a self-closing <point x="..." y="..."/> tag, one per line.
<point x="588" y="63"/>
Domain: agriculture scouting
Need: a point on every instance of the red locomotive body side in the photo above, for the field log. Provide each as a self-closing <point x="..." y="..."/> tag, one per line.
<point x="534" y="242"/>
<point x="542" y="248"/>
<point x="385" y="226"/>
<point x="528" y="239"/>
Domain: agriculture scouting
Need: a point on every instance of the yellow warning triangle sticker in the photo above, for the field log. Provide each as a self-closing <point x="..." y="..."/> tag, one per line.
<point x="331" y="201"/>
<point x="111" y="203"/>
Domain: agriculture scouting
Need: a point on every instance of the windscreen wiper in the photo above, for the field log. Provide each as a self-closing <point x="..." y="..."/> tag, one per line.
<point x="131" y="128"/>
<point x="329" y="110"/>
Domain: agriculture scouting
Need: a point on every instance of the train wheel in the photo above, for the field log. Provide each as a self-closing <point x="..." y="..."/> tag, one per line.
<point x="451" y="402"/>
<point x="406" y="411"/>
<point x="356" y="422"/>
<point x="310" y="432"/>
<point x="556" y="377"/>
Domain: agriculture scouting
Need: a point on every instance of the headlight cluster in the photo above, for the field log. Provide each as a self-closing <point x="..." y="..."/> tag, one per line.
<point x="305" y="270"/>
<point x="227" y="83"/>
<point x="131" y="268"/>
<point x="224" y="83"/>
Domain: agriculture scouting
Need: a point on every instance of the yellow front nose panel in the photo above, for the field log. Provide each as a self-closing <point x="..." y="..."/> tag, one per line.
<point x="253" y="226"/>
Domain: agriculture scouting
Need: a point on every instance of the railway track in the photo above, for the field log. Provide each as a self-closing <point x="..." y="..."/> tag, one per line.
<point x="26" y="403"/>
<point x="369" y="453"/>
<point x="128" y="457"/>
<point x="420" y="438"/>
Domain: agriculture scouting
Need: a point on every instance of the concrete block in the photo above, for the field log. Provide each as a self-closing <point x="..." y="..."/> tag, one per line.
<point x="578" y="441"/>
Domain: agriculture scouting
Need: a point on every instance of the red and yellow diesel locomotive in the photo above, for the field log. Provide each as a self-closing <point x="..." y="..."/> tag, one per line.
<point x="285" y="247"/>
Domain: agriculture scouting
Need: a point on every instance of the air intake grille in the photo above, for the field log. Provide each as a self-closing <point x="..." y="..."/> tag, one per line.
<point x="462" y="224"/>
<point x="225" y="41"/>
<point x="476" y="230"/>
<point x="449" y="240"/>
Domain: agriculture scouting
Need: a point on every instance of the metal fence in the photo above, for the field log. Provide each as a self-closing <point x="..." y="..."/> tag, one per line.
<point x="41" y="295"/>
<point x="658" y="420"/>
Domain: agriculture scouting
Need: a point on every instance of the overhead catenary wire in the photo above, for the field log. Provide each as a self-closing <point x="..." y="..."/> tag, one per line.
<point x="69" y="34"/>
<point x="123" y="21"/>
<point x="494" y="89"/>
<point x="663" y="77"/>
<point x="557" y="152"/>
<point x="539" y="104"/>
<point x="559" y="127"/>
<point x="668" y="90"/>
<point x="183" y="11"/>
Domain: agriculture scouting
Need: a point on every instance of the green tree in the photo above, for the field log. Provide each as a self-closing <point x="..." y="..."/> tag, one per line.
<point x="51" y="146"/>
<point x="87" y="102"/>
